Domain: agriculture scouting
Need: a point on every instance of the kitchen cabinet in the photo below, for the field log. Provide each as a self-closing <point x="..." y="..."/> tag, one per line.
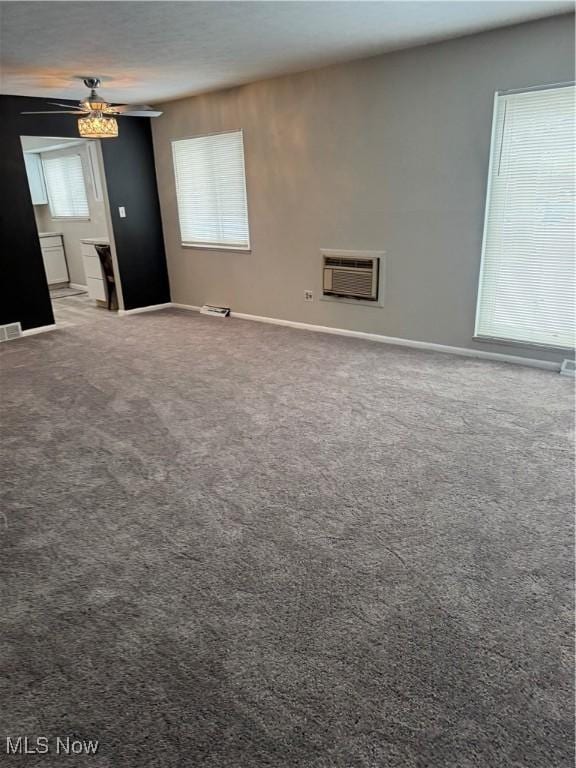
<point x="35" y="175"/>
<point x="95" y="280"/>
<point x="54" y="258"/>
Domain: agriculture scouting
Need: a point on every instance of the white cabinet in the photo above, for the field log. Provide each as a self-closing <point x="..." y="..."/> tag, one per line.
<point x="35" y="178"/>
<point x="54" y="259"/>
<point x="93" y="269"/>
<point x="96" y="289"/>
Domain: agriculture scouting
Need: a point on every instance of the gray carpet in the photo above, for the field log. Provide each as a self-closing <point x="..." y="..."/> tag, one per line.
<point x="232" y="545"/>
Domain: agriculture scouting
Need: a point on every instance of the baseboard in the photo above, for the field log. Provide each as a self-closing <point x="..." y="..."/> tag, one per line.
<point x="78" y="287"/>
<point x="189" y="307"/>
<point x="429" y="346"/>
<point x="149" y="308"/>
<point x="395" y="341"/>
<point x="40" y="329"/>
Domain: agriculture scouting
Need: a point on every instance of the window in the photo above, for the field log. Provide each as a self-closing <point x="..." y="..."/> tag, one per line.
<point x="65" y="187"/>
<point x="211" y="190"/>
<point x="526" y="291"/>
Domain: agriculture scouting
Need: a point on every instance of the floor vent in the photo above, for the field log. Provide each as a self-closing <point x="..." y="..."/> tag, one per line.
<point x="10" y="331"/>
<point x="207" y="309"/>
<point x="568" y="368"/>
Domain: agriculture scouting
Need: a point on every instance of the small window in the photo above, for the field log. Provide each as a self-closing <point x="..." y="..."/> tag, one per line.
<point x="211" y="191"/>
<point x="65" y="187"/>
<point x="527" y="278"/>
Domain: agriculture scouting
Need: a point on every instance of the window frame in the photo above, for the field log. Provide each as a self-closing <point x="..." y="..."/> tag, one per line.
<point x="480" y="283"/>
<point x="58" y="217"/>
<point x="207" y="246"/>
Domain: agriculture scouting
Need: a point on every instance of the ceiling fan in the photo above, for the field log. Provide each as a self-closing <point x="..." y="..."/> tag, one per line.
<point x="98" y="117"/>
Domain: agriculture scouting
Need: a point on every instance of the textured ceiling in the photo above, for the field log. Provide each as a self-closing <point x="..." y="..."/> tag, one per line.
<point x="156" y="51"/>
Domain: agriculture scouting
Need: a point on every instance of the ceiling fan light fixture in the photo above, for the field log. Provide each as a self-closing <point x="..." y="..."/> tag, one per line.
<point x="98" y="116"/>
<point x="97" y="127"/>
<point x="96" y="106"/>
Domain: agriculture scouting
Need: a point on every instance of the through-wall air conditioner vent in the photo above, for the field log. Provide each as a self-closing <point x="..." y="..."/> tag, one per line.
<point x="10" y="331"/>
<point x="350" y="277"/>
<point x="338" y="261"/>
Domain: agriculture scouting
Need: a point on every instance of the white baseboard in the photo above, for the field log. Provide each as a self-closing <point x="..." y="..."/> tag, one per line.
<point x="479" y="354"/>
<point x="426" y="345"/>
<point x="78" y="287"/>
<point x="40" y="329"/>
<point x="150" y="308"/>
<point x="189" y="307"/>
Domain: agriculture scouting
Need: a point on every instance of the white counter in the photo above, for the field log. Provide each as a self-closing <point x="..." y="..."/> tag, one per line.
<point x="95" y="240"/>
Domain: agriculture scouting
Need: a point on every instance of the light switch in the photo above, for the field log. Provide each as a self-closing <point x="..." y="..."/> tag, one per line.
<point x="122" y="212"/>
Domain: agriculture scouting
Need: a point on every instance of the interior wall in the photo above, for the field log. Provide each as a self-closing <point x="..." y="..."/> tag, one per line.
<point x="131" y="181"/>
<point x="388" y="153"/>
<point x="74" y="230"/>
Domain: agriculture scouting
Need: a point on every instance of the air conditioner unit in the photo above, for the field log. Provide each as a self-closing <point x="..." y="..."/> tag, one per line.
<point x="351" y="277"/>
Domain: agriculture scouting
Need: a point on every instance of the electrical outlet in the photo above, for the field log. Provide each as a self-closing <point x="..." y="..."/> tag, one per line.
<point x="308" y="296"/>
<point x="122" y="212"/>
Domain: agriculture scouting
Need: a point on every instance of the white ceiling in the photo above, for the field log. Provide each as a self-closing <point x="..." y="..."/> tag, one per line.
<point x="156" y="51"/>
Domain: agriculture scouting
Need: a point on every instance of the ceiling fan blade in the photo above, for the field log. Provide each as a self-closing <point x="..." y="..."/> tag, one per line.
<point x="54" y="112"/>
<point x="141" y="113"/>
<point x="135" y="110"/>
<point x="128" y="107"/>
<point x="58" y="104"/>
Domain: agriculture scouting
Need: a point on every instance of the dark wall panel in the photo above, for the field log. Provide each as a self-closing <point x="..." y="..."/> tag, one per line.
<point x="131" y="178"/>
<point x="131" y="182"/>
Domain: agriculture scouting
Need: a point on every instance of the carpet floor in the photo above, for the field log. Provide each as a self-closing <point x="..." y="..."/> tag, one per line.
<point x="233" y="545"/>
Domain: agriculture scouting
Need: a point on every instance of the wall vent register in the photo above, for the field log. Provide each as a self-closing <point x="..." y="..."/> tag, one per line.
<point x="350" y="277"/>
<point x="10" y="331"/>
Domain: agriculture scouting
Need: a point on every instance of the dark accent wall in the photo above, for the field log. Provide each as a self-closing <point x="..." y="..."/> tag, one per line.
<point x="131" y="181"/>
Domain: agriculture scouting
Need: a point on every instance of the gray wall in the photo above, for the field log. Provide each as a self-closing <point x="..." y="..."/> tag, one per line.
<point x="387" y="153"/>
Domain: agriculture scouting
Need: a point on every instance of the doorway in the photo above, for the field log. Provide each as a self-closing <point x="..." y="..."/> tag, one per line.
<point x="68" y="192"/>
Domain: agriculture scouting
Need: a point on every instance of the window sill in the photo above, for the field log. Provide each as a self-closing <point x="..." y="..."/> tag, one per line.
<point x="516" y="343"/>
<point x="69" y="218"/>
<point x="208" y="247"/>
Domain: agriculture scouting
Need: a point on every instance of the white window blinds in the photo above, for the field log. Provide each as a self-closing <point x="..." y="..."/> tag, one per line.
<point x="65" y="187"/>
<point x="527" y="279"/>
<point x="211" y="190"/>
